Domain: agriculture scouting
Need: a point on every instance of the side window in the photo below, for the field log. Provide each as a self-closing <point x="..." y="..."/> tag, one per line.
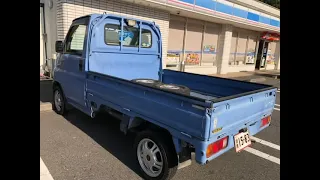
<point x="75" y="40"/>
<point x="130" y="37"/>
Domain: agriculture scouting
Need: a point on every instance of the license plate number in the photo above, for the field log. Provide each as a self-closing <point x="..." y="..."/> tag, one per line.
<point x="241" y="141"/>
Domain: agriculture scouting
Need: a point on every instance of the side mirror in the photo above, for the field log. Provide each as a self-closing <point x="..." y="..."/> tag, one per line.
<point x="59" y="46"/>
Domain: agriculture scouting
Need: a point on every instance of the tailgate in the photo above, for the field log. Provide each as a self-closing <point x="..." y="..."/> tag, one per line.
<point x="241" y="111"/>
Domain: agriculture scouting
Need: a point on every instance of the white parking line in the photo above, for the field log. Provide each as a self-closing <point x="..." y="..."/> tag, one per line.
<point x="266" y="143"/>
<point x="277" y="104"/>
<point x="276" y="109"/>
<point x="263" y="155"/>
<point x="44" y="172"/>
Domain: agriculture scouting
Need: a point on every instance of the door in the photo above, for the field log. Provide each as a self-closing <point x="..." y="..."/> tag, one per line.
<point x="264" y="55"/>
<point x="72" y="61"/>
<point x="259" y="55"/>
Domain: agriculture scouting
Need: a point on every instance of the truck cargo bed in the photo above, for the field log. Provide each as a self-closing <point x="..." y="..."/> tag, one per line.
<point x="212" y="88"/>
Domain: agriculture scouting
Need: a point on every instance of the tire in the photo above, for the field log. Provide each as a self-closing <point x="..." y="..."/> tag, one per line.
<point x="175" y="88"/>
<point x="147" y="82"/>
<point x="166" y="154"/>
<point x="59" y="108"/>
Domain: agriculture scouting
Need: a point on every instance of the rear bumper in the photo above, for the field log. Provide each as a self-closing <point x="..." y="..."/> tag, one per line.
<point x="253" y="127"/>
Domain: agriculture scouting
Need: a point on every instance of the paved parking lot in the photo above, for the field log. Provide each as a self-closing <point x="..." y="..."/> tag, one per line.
<point x="77" y="147"/>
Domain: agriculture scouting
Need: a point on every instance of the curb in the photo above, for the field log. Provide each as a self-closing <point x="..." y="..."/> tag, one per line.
<point x="46" y="107"/>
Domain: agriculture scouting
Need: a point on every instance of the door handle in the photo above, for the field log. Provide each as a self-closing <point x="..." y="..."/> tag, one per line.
<point x="81" y="65"/>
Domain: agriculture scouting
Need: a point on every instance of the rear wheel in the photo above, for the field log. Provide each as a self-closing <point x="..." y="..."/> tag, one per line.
<point x="157" y="159"/>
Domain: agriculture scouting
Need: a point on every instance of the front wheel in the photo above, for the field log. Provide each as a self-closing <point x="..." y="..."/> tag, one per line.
<point x="58" y="104"/>
<point x="157" y="159"/>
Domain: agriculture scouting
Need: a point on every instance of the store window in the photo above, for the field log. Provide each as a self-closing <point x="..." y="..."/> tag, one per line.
<point x="251" y="50"/>
<point x="210" y="42"/>
<point x="198" y="40"/>
<point x="193" y="42"/>
<point x="271" y="53"/>
<point x="130" y="36"/>
<point x="241" y="49"/>
<point x="233" y="48"/>
<point x="175" y="41"/>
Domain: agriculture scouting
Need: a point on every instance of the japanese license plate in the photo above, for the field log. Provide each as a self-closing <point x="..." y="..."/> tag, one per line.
<point x="241" y="141"/>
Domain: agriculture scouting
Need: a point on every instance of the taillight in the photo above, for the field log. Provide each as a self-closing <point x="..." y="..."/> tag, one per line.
<point x="265" y="121"/>
<point x="217" y="146"/>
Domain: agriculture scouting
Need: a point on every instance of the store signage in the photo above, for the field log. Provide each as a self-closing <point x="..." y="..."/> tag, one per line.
<point x="250" y="56"/>
<point x="209" y="48"/>
<point x="192" y="58"/>
<point x="173" y="58"/>
<point x="270" y="36"/>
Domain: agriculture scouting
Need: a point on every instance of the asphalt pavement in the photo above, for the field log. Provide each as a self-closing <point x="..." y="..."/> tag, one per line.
<point x="78" y="147"/>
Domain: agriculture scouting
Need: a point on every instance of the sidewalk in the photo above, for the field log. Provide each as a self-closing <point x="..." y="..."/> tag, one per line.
<point x="269" y="73"/>
<point x="266" y="73"/>
<point x="270" y="77"/>
<point x="233" y="75"/>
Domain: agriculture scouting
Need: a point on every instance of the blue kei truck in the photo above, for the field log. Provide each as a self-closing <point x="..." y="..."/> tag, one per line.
<point x="114" y="64"/>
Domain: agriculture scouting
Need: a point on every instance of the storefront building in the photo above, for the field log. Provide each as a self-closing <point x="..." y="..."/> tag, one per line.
<point x="199" y="36"/>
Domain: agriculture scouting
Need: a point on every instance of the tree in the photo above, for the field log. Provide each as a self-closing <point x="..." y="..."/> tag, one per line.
<point x="274" y="3"/>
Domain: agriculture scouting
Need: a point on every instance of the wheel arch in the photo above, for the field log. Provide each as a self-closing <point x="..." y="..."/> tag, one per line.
<point x="140" y="124"/>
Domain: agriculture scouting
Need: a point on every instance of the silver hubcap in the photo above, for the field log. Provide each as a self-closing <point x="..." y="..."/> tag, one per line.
<point x="57" y="100"/>
<point x="150" y="157"/>
<point x="166" y="86"/>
